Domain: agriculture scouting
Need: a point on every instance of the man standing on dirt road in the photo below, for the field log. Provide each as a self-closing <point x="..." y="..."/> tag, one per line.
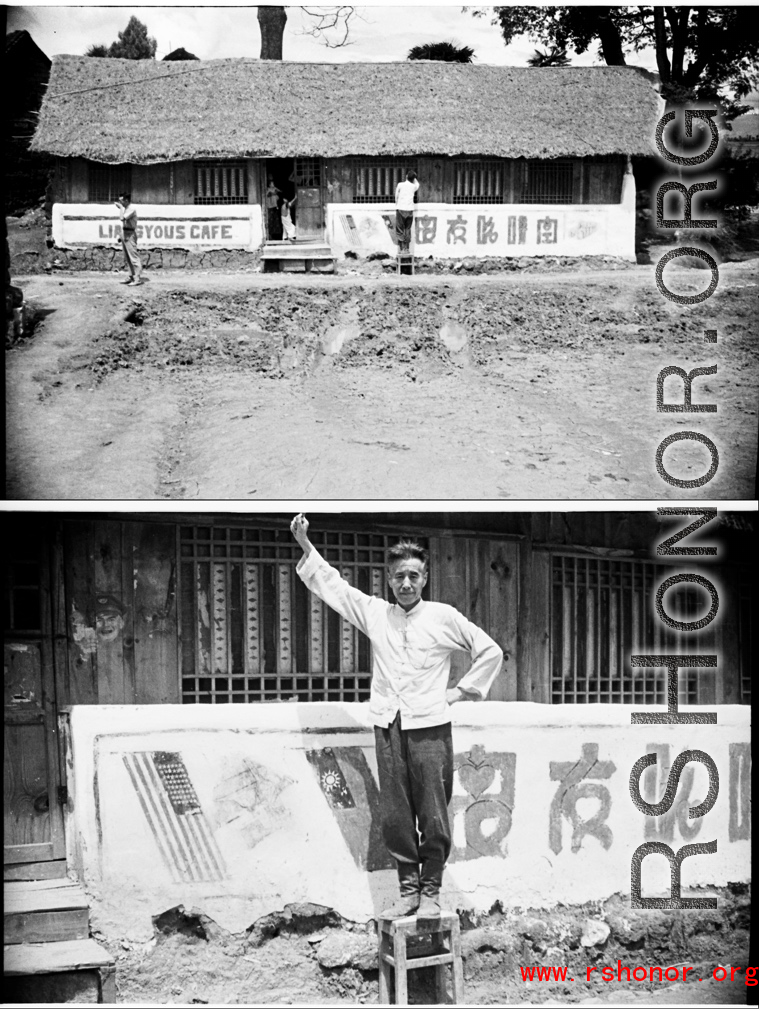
<point x="129" y="239"/>
<point x="412" y="641"/>
<point x="405" y="194"/>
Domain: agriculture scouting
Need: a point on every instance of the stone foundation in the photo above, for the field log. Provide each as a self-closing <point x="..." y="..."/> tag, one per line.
<point x="105" y="258"/>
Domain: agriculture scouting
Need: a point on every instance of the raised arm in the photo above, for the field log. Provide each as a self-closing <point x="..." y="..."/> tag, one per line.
<point x="299" y="529"/>
<point x="327" y="583"/>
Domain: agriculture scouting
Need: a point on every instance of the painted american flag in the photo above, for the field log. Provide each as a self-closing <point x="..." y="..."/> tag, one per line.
<point x="175" y="816"/>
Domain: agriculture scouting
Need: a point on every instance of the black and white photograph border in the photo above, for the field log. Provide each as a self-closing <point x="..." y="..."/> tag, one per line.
<point x="196" y="758"/>
<point x="580" y="279"/>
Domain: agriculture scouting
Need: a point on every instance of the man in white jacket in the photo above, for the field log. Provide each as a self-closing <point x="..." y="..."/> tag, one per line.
<point x="405" y="194"/>
<point x="412" y="641"/>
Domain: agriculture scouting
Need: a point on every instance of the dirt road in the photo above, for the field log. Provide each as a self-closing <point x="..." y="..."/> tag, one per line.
<point x="255" y="387"/>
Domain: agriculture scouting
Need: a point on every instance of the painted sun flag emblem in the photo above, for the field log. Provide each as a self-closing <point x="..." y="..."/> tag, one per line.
<point x="331" y="778"/>
<point x="175" y="816"/>
<point x="349" y="787"/>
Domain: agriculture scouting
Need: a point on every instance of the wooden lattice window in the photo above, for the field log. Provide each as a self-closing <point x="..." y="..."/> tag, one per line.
<point x="219" y="182"/>
<point x="308" y="172"/>
<point x="478" y="182"/>
<point x="107" y="182"/>
<point x="375" y="180"/>
<point x="547" y="181"/>
<point x="250" y="629"/>
<point x="602" y="611"/>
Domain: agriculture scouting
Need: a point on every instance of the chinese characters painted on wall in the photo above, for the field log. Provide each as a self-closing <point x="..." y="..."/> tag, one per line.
<point x="485" y="802"/>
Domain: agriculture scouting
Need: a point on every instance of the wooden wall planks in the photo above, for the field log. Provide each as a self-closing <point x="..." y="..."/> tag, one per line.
<point x="117" y="581"/>
<point x="480" y="577"/>
<point x="502" y="584"/>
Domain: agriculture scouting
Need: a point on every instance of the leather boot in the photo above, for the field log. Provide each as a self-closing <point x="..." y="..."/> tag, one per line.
<point x="431" y="881"/>
<point x="408" y="902"/>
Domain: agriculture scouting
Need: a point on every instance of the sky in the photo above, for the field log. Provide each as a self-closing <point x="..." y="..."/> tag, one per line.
<point x="213" y="32"/>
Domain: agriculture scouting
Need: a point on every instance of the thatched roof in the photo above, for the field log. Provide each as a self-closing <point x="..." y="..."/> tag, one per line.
<point x="145" y="112"/>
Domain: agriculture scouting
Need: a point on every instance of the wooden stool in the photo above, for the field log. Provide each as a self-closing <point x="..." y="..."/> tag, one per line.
<point x="404" y="263"/>
<point x="393" y="934"/>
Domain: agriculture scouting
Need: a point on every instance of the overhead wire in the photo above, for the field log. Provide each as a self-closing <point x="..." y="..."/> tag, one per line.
<point x="121" y="84"/>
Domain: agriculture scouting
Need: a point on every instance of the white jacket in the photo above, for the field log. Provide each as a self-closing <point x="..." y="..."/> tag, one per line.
<point x="404" y="194"/>
<point x="411" y="650"/>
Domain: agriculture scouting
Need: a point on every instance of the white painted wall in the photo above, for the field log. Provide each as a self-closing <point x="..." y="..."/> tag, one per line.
<point x="448" y="231"/>
<point x="77" y="225"/>
<point x="270" y="827"/>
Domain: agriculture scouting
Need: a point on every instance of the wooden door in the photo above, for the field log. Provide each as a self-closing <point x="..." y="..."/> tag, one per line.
<point x="309" y="213"/>
<point x="480" y="577"/>
<point x="33" y="820"/>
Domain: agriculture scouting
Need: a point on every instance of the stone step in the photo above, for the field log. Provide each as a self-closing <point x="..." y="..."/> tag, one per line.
<point x="304" y="250"/>
<point x="44" y="911"/>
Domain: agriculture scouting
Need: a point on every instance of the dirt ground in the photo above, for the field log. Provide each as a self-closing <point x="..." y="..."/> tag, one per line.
<point x="247" y="386"/>
<point x="284" y="973"/>
<point x="307" y="955"/>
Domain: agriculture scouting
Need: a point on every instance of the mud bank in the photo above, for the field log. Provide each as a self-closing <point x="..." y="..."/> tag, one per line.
<point x="306" y="953"/>
<point x="282" y="387"/>
<point x="446" y="327"/>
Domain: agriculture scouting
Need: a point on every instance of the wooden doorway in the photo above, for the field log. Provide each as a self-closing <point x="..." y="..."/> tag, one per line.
<point x="32" y="813"/>
<point x="280" y="172"/>
<point x="310" y="202"/>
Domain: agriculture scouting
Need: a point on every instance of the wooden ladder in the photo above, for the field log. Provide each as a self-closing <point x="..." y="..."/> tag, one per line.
<point x="394" y="961"/>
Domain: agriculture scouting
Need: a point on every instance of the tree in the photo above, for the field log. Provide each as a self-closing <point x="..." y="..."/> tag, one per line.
<point x="447" y="52"/>
<point x="709" y="53"/>
<point x="323" y="21"/>
<point x="133" y="43"/>
<point x="271" y="21"/>
<point x="555" y="57"/>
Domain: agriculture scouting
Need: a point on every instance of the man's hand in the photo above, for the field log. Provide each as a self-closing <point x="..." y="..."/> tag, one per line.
<point x="299" y="529"/>
<point x="453" y="695"/>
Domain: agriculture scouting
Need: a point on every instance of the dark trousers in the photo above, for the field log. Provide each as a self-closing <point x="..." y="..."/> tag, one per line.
<point x="275" y="224"/>
<point x="415" y="769"/>
<point x="403" y="221"/>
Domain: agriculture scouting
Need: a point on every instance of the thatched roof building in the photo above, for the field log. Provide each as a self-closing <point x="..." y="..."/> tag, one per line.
<point x="743" y="138"/>
<point x="144" y="112"/>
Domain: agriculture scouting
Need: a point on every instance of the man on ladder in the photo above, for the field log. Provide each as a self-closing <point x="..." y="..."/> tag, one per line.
<point x="405" y="196"/>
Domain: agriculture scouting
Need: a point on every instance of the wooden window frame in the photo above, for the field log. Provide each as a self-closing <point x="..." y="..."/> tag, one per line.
<point x="105" y="183"/>
<point x="594" y="629"/>
<point x="251" y="631"/>
<point x="548" y="181"/>
<point x="371" y="174"/>
<point x="220" y="182"/>
<point x="308" y="173"/>
<point x="473" y="175"/>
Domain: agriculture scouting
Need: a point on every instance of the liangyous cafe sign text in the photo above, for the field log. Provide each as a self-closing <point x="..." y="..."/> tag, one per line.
<point x="222" y="227"/>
